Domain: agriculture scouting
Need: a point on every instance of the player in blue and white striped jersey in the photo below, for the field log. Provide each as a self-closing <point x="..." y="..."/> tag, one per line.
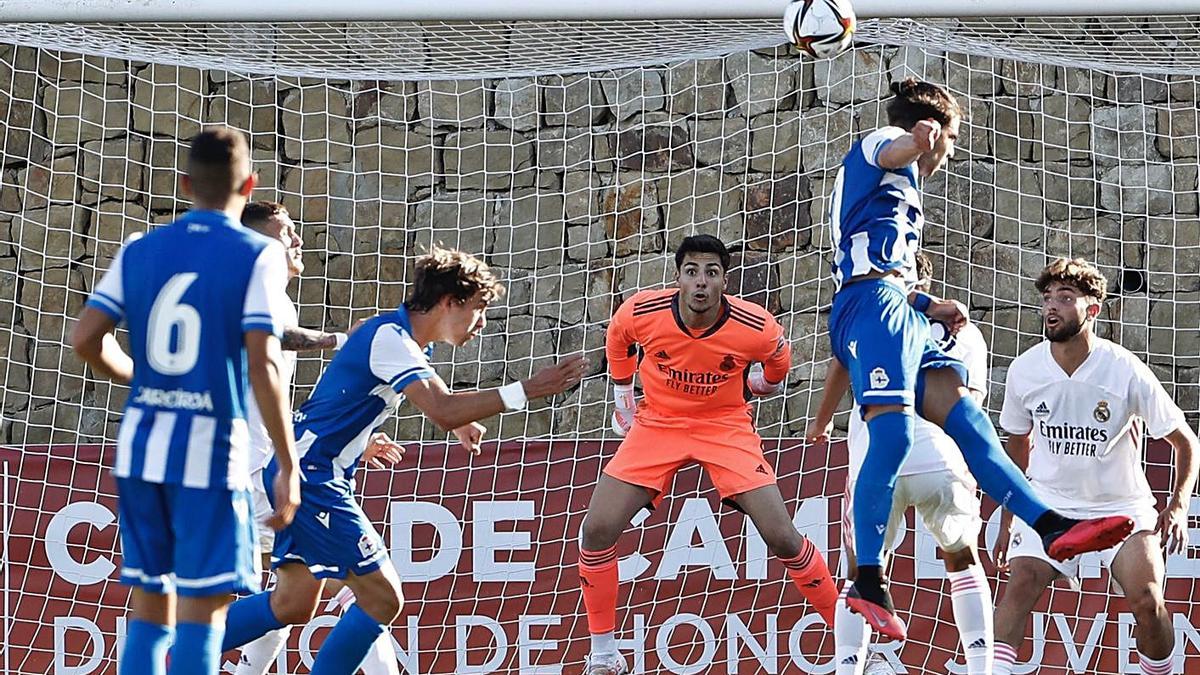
<point x="203" y="301"/>
<point x="385" y="361"/>
<point x="883" y="342"/>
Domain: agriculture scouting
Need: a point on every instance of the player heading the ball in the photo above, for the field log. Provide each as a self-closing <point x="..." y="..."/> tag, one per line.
<point x="204" y="300"/>
<point x="879" y="330"/>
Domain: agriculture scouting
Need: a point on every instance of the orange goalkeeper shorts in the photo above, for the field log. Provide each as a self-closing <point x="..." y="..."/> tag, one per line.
<point x="731" y="454"/>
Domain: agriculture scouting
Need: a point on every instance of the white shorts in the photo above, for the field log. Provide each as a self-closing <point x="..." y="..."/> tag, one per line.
<point x="1025" y="542"/>
<point x="946" y="501"/>
<point x="262" y="511"/>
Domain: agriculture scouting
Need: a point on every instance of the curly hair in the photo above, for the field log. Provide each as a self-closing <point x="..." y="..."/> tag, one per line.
<point x="443" y="272"/>
<point x="1076" y="273"/>
<point x="915" y="101"/>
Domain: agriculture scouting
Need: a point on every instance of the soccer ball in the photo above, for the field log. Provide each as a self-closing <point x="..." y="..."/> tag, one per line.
<point x="821" y="28"/>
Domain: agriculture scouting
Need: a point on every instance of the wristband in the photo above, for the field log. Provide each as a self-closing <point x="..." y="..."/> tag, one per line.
<point x="513" y="396"/>
<point x="624" y="397"/>
<point x="339" y="340"/>
<point x="922" y="301"/>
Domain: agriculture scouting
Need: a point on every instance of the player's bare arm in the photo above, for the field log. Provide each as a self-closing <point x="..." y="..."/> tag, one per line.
<point x="263" y="360"/>
<point x="908" y="148"/>
<point x="1172" y="521"/>
<point x="297" y="339"/>
<point x="837" y="381"/>
<point x="452" y="410"/>
<point x="94" y="342"/>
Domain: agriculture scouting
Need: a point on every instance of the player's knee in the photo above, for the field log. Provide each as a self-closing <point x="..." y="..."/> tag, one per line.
<point x="383" y="603"/>
<point x="1146" y="604"/>
<point x="294" y="609"/>
<point x="597" y="535"/>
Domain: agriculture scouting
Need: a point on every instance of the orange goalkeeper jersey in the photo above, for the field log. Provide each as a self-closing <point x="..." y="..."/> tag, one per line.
<point x="691" y="374"/>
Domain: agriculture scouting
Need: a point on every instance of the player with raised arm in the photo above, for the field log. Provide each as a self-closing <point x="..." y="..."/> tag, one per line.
<point x="1077" y="409"/>
<point x="204" y="301"/>
<point x="700" y="345"/>
<point x="385" y="361"/>
<point x="896" y="371"/>
<point x="935" y="481"/>
<point x="272" y="220"/>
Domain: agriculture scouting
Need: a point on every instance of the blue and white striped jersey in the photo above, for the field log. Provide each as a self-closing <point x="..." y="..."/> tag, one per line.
<point x="875" y="214"/>
<point x="189" y="292"/>
<point x="360" y="388"/>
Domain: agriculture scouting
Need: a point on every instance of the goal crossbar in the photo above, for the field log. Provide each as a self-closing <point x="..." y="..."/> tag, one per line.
<point x="212" y="11"/>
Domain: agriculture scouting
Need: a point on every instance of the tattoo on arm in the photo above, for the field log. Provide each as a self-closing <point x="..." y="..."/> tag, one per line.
<point x="297" y="339"/>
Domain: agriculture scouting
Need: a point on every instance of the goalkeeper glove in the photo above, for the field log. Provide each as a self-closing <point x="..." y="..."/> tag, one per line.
<point x="622" y="418"/>
<point x="758" y="384"/>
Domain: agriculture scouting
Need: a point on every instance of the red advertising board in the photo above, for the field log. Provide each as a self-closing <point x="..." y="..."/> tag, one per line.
<point x="487" y="548"/>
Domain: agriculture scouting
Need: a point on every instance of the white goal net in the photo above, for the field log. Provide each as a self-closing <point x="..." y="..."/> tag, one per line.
<point x="575" y="156"/>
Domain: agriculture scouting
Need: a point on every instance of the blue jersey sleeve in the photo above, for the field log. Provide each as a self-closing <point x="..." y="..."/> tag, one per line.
<point x="108" y="296"/>
<point x="397" y="359"/>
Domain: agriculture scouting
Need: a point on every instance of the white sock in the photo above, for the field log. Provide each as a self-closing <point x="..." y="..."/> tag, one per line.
<point x="972" y="600"/>
<point x="850" y="637"/>
<point x="604" y="643"/>
<point x="1006" y="658"/>
<point x="1151" y="667"/>
<point x="381" y="658"/>
<point x="258" y="656"/>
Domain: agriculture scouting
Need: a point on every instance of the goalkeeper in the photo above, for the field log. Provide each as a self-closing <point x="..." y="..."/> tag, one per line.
<point x="700" y="345"/>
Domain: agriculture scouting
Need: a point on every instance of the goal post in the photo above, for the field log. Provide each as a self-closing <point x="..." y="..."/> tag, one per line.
<point x="574" y="152"/>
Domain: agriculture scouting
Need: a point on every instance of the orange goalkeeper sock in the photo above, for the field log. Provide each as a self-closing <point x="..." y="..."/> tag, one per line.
<point x="598" y="579"/>
<point x="811" y="576"/>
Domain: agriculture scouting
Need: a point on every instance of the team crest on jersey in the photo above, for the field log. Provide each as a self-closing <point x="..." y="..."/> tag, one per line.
<point x="1102" y="413"/>
<point x="879" y="378"/>
<point x="728" y="364"/>
<point x="1042" y="410"/>
<point x="367" y="545"/>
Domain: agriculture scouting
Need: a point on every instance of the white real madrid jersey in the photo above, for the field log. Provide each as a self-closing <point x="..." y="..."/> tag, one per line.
<point x="932" y="449"/>
<point x="1087" y="429"/>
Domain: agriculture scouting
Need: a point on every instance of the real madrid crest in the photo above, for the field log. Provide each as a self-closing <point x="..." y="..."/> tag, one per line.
<point x="1102" y="413"/>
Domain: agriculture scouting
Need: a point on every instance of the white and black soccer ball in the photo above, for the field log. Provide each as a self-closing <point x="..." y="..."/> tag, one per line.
<point x="821" y="28"/>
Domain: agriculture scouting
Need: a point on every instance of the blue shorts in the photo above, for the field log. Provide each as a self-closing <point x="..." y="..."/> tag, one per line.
<point x="884" y="343"/>
<point x="191" y="541"/>
<point x="330" y="533"/>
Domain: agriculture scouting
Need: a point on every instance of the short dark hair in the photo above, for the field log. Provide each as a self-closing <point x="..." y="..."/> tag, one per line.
<point x="702" y="243"/>
<point x="1076" y="273"/>
<point x="915" y="101"/>
<point x="218" y="164"/>
<point x="256" y="214"/>
<point x="443" y="272"/>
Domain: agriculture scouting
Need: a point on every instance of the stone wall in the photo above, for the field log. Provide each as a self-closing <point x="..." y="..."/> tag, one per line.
<point x="578" y="186"/>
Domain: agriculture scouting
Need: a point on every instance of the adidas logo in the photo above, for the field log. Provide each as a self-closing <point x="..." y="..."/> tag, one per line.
<point x="761" y="469"/>
<point x="662" y="354"/>
<point x="850" y="660"/>
<point x="814" y="583"/>
<point x="981" y="643"/>
<point x="1042" y="410"/>
<point x="584" y="583"/>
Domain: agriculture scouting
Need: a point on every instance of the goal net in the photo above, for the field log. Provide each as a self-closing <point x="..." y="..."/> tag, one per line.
<point x="574" y="156"/>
